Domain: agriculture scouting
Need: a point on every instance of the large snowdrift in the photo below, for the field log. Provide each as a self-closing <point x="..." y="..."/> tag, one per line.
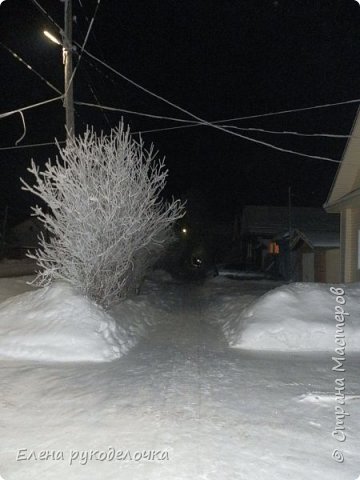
<point x="58" y="324"/>
<point x="296" y="317"/>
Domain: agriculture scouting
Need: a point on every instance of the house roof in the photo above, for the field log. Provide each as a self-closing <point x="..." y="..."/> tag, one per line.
<point x="351" y="199"/>
<point x="347" y="179"/>
<point x="320" y="239"/>
<point x="271" y="221"/>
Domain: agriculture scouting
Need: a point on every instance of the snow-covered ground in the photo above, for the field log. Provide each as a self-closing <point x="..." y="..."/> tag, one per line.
<point x="197" y="408"/>
<point x="294" y="317"/>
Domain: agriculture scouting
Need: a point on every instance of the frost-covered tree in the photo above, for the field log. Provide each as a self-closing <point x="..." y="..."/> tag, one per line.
<point x="105" y="219"/>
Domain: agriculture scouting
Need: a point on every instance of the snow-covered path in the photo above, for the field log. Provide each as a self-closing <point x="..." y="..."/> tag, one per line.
<point x="220" y="413"/>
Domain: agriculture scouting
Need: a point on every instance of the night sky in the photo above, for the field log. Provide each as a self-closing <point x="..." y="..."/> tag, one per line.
<point x="218" y="59"/>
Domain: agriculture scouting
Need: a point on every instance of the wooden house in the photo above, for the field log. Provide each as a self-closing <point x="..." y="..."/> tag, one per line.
<point x="312" y="252"/>
<point x="344" y="199"/>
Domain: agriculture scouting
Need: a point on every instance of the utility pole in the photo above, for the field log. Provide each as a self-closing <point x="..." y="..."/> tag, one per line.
<point x="68" y="65"/>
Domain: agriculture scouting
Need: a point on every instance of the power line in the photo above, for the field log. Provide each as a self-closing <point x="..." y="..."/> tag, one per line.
<point x="91" y="87"/>
<point x="92" y="32"/>
<point x="28" y="107"/>
<point x="233" y="119"/>
<point x="149" y="115"/>
<point x="294" y="110"/>
<point x="32" y="145"/>
<point x="44" y="12"/>
<point x="24" y="129"/>
<point x="32" y="69"/>
<point x="199" y="119"/>
<point x="205" y="122"/>
<point x="167" y="129"/>
<point x="92" y="90"/>
<point x="285" y="132"/>
<point x="248" y="117"/>
<point x="84" y="43"/>
<point x="17" y="57"/>
<point x="21" y="60"/>
<point x="6" y="114"/>
<point x="21" y="110"/>
<point x="133" y="133"/>
<point x="155" y="130"/>
<point x="197" y="124"/>
<point x="89" y="82"/>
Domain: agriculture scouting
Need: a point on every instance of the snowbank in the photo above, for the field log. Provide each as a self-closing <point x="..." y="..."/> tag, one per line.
<point x="58" y="324"/>
<point x="296" y="317"/>
<point x="10" y="287"/>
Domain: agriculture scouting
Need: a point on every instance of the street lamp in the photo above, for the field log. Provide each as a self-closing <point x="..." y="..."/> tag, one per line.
<point x="52" y="37"/>
<point x="66" y="43"/>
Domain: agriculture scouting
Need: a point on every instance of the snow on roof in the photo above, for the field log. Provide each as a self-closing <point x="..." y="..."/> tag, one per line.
<point x="321" y="239"/>
<point x="270" y="220"/>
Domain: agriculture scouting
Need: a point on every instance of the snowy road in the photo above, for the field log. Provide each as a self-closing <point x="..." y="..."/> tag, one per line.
<point x="220" y="413"/>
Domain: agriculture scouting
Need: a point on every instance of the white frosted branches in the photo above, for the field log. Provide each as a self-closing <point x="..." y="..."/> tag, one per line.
<point x="105" y="219"/>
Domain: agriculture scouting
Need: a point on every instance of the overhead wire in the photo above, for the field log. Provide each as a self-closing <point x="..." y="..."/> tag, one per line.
<point x="60" y="97"/>
<point x="82" y="48"/>
<point x="28" y="66"/>
<point x="89" y="82"/>
<point x="20" y="112"/>
<point x="32" y="145"/>
<point x="146" y="131"/>
<point x="28" y="107"/>
<point x="87" y="61"/>
<point x="21" y="60"/>
<point x="92" y="90"/>
<point x="187" y="112"/>
<point x="294" y="110"/>
<point x="44" y="12"/>
<point x="286" y="132"/>
<point x="189" y="123"/>
<point x="32" y="69"/>
<point x="199" y="119"/>
<point x="232" y="119"/>
<point x="24" y="127"/>
<point x="210" y="124"/>
<point x="132" y="112"/>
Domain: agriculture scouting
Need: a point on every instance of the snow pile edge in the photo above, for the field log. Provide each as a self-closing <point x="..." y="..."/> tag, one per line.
<point x="57" y="323"/>
<point x="296" y="317"/>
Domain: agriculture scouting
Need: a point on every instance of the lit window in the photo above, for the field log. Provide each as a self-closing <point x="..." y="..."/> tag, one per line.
<point x="274" y="248"/>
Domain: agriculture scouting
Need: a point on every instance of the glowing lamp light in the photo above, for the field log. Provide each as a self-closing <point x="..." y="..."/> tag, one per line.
<point x="274" y="248"/>
<point x="51" y="37"/>
<point x="184" y="230"/>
